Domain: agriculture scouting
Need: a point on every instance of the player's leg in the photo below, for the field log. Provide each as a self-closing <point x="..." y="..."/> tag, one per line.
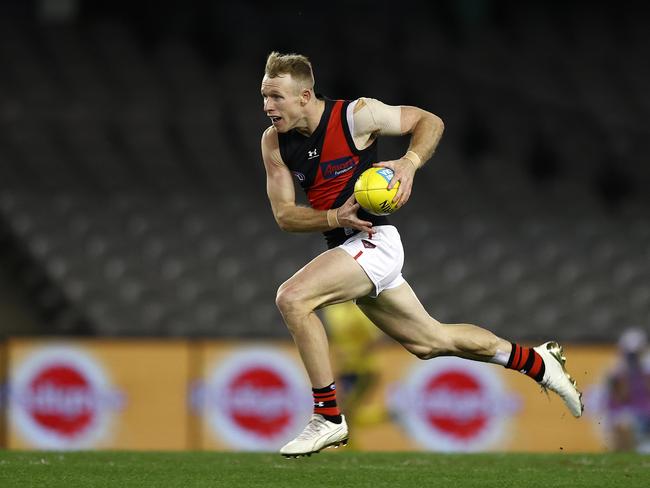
<point x="399" y="313"/>
<point x="331" y="277"/>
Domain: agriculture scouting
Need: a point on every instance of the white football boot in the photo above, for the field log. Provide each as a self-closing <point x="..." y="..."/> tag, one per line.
<point x="557" y="379"/>
<point x="319" y="434"/>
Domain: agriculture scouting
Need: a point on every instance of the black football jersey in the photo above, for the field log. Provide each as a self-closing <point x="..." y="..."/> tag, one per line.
<point x="327" y="164"/>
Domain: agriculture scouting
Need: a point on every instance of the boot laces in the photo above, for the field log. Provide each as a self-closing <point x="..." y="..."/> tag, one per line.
<point x="314" y="427"/>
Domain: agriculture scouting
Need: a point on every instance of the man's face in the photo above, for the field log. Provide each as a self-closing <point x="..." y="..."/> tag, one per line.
<point x="282" y="101"/>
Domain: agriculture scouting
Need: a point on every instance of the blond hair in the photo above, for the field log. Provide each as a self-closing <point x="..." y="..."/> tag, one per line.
<point x="296" y="65"/>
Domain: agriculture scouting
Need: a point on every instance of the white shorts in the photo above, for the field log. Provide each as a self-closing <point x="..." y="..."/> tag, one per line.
<point x="381" y="256"/>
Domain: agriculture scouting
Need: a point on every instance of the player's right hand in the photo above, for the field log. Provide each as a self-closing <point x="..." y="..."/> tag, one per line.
<point x="347" y="216"/>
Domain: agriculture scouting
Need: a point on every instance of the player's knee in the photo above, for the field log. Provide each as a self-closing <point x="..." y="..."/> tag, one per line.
<point x="424" y="352"/>
<point x="289" y="299"/>
<point x="429" y="348"/>
<point x="283" y="299"/>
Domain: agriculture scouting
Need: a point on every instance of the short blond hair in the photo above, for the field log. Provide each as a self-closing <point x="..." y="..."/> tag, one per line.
<point x="296" y="65"/>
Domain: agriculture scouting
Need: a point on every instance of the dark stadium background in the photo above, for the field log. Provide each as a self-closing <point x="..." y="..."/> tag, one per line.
<point x="132" y="198"/>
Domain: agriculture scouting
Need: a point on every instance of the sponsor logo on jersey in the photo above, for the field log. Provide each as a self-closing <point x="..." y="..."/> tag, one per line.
<point x="60" y="398"/>
<point x="451" y="404"/>
<point x="312" y="154"/>
<point x="299" y="175"/>
<point x="336" y="167"/>
<point x="255" y="399"/>
<point x="368" y="244"/>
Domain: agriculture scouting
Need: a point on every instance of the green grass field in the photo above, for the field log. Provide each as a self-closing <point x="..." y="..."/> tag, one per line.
<point x="345" y="469"/>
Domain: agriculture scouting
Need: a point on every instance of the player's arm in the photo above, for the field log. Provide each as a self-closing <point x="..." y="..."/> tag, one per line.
<point x="425" y="129"/>
<point x="281" y="192"/>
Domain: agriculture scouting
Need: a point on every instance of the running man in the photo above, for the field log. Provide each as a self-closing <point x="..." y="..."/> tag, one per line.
<point x="326" y="144"/>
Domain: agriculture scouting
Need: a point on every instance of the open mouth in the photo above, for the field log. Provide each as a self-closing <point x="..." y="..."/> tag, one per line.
<point x="275" y="119"/>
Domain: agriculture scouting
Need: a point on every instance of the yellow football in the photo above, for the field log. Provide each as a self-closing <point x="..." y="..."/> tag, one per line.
<point x="372" y="193"/>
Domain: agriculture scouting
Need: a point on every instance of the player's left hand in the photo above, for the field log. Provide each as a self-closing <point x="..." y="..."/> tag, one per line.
<point x="404" y="171"/>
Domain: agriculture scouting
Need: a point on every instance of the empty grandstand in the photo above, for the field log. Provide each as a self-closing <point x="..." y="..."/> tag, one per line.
<point x="132" y="195"/>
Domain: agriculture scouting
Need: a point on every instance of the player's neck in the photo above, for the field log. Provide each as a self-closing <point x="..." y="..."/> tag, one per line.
<point x="312" y="117"/>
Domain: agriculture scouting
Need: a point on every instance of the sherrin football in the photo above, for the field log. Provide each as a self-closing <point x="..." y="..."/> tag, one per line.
<point x="372" y="193"/>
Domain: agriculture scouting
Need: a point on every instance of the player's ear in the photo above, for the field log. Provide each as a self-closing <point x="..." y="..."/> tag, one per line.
<point x="305" y="96"/>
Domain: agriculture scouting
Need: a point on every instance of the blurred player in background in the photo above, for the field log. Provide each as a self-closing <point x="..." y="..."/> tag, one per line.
<point x="354" y="340"/>
<point x="326" y="144"/>
<point x="627" y="397"/>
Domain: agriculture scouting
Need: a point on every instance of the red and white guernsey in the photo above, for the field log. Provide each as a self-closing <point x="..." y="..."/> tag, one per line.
<point x="327" y="164"/>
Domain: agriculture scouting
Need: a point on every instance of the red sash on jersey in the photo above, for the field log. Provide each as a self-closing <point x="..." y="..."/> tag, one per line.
<point x="337" y="166"/>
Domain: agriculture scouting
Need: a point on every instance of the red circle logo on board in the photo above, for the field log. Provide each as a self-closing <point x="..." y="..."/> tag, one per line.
<point x="260" y="401"/>
<point x="255" y="399"/>
<point x="451" y="404"/>
<point x="456" y="404"/>
<point x="60" y="399"/>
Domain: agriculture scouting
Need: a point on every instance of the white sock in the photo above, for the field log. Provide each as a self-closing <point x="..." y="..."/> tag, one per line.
<point x="501" y="357"/>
